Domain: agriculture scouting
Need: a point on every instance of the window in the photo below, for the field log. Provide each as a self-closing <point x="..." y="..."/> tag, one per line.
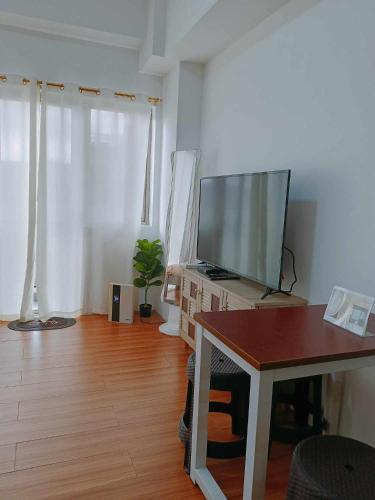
<point x="14" y="123"/>
<point x="59" y="134"/>
<point x="107" y="124"/>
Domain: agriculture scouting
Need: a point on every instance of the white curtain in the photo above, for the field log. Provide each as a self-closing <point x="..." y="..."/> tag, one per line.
<point x="93" y="153"/>
<point x="181" y="216"/>
<point x="18" y="150"/>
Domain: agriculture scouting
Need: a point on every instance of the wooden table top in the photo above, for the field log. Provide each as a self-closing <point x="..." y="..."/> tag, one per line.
<point x="290" y="336"/>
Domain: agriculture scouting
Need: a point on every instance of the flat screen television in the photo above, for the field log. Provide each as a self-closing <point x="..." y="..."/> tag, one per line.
<point x="242" y="224"/>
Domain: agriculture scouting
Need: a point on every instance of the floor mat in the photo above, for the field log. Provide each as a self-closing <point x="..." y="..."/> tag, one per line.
<point x="36" y="324"/>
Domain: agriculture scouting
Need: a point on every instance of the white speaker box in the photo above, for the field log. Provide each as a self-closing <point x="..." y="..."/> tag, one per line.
<point x="120" y="303"/>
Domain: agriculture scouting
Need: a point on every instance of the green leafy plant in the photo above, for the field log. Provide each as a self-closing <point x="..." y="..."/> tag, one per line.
<point x="148" y="264"/>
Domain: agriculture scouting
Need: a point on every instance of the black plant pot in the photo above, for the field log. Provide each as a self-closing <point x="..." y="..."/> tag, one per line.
<point x="145" y="310"/>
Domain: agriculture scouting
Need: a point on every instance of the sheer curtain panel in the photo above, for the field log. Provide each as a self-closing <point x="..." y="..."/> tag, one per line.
<point x="93" y="151"/>
<point x="18" y="150"/>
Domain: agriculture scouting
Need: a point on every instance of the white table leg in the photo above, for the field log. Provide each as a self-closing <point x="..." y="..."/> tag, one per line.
<point x="258" y="435"/>
<point x="201" y="402"/>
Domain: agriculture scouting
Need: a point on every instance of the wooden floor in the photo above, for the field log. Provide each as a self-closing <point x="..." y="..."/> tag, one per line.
<point x="91" y="412"/>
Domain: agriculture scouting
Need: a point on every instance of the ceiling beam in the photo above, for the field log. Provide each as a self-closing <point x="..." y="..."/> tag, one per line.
<point x="55" y="29"/>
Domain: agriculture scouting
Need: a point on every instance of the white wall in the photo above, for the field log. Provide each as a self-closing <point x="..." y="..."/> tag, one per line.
<point x="189" y="106"/>
<point x="169" y="143"/>
<point x="304" y="99"/>
<point x="170" y="108"/>
<point x="182" y="100"/>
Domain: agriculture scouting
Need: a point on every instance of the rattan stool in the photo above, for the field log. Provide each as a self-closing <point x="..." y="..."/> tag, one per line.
<point x="332" y="467"/>
<point x="225" y="376"/>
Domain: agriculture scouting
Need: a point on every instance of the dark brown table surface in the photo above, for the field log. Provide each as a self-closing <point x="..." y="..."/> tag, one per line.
<point x="289" y="336"/>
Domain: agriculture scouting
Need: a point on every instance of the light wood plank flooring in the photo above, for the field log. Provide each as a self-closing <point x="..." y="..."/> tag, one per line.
<point x="91" y="412"/>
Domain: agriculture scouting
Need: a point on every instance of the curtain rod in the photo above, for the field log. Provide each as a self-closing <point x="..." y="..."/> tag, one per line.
<point x="132" y="97"/>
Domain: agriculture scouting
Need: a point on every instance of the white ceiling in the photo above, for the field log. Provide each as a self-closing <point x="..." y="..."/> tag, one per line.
<point x="163" y="31"/>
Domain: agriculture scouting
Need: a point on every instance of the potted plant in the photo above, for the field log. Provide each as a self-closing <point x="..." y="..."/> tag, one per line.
<point x="148" y="264"/>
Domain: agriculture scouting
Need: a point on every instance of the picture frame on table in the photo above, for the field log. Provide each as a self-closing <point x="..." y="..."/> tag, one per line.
<point x="349" y="310"/>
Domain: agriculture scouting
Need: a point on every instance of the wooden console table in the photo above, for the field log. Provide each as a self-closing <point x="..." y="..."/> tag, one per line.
<point x="201" y="294"/>
<point x="270" y="345"/>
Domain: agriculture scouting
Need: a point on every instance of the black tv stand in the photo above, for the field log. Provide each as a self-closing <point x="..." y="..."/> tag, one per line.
<point x="271" y="291"/>
<point x="216" y="273"/>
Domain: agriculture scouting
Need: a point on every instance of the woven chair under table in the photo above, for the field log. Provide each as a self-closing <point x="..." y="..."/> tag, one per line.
<point x="225" y="376"/>
<point x="332" y="468"/>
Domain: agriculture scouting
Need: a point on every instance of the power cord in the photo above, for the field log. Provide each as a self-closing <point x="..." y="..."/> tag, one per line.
<point x="293" y="267"/>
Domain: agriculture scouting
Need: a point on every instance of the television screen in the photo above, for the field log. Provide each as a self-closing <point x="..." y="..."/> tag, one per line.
<point x="242" y="223"/>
